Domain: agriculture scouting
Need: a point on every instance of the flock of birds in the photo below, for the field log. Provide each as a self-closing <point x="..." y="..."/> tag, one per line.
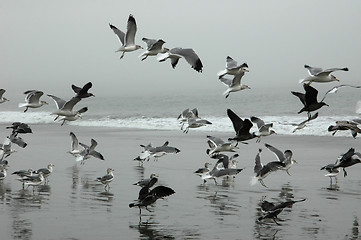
<point x="225" y="166"/>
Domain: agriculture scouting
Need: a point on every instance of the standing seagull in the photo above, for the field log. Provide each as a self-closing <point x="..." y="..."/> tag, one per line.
<point x="106" y="179"/>
<point x="285" y="158"/>
<point x="262" y="171"/>
<point x="203" y="172"/>
<point x="309" y="100"/>
<point x="332" y="171"/>
<point x="232" y="68"/>
<point x="234" y="85"/>
<point x="153" y="48"/>
<point x="146" y="181"/>
<point x="83" y="92"/>
<point x="127" y="39"/>
<point x="321" y="76"/>
<point x="32" y="100"/>
<point x="2" y="99"/>
<point x="46" y="171"/>
<point x="241" y="127"/>
<point x="187" y="53"/>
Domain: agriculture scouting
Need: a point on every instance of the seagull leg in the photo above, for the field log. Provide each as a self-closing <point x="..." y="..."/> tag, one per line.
<point x="26" y="109"/>
<point x="288" y="173"/>
<point x="122" y="56"/>
<point x="262" y="183"/>
<point x="62" y="123"/>
<point x="274" y="219"/>
<point x="344" y="172"/>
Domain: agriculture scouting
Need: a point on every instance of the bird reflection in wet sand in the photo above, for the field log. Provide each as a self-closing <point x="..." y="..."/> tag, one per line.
<point x="151" y="230"/>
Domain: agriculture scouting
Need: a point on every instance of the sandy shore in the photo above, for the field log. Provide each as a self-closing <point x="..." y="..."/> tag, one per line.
<point x="74" y="194"/>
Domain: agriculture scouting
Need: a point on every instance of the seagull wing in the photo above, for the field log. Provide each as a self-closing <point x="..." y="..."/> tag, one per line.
<point x="236" y="121"/>
<point x="230" y="63"/>
<point x="258" y="121"/>
<point x="313" y="71"/>
<point x="279" y="154"/>
<point x="216" y="141"/>
<point x="70" y="104"/>
<point x="310" y="95"/>
<point x="328" y="71"/>
<point x="190" y="56"/>
<point x="120" y="34"/>
<point x="301" y="96"/>
<point x="161" y="191"/>
<point x="74" y="142"/>
<point x="33" y="96"/>
<point x="58" y="101"/>
<point x="131" y="31"/>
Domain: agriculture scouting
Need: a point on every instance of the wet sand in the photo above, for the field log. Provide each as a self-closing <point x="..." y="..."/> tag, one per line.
<point x="74" y="206"/>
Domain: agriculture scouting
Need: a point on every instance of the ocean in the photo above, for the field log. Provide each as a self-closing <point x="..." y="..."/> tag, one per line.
<point x="160" y="112"/>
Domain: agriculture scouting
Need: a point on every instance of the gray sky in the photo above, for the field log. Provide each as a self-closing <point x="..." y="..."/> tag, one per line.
<point x="48" y="45"/>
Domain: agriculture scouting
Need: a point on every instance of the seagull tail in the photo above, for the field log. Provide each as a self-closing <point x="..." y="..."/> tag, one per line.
<point x="226" y="93"/>
<point x="302" y="81"/>
<point x="22" y="105"/>
<point x="222" y="73"/>
<point x="162" y="57"/>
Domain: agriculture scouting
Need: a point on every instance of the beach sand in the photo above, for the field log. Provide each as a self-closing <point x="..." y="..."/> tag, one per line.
<point x="74" y="206"/>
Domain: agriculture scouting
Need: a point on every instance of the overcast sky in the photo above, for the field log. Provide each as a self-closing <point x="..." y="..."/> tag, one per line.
<point x="48" y="45"/>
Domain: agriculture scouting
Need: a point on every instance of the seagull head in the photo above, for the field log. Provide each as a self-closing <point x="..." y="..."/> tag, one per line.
<point x="138" y="47"/>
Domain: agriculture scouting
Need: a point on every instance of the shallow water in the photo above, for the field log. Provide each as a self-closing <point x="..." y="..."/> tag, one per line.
<point x="74" y="206"/>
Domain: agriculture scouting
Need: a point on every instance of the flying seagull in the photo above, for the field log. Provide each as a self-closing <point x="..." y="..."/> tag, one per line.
<point x="32" y="100"/>
<point x="2" y="99"/>
<point x="321" y="76"/>
<point x="187" y="53"/>
<point x="153" y="48"/>
<point x="82" y="92"/>
<point x="241" y="127"/>
<point x="234" y="85"/>
<point x="127" y="39"/>
<point x="232" y="68"/>
<point x="284" y="157"/>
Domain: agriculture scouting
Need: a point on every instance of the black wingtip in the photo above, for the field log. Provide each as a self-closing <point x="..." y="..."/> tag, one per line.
<point x="307" y="66"/>
<point x="345" y="69"/>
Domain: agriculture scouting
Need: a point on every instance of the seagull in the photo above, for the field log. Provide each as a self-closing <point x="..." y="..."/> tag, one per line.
<point x="32" y="100"/>
<point x="74" y="117"/>
<point x="127" y="39"/>
<point x="302" y="124"/>
<point x="2" y="99"/>
<point x="83" y="92"/>
<point x="241" y="127"/>
<point x="153" y="48"/>
<point x="262" y="171"/>
<point x="64" y="108"/>
<point x="332" y="171"/>
<point x="14" y="138"/>
<point x="19" y="127"/>
<point x="272" y="210"/>
<point x="232" y="68"/>
<point x="221" y="168"/>
<point x="263" y="129"/>
<point x="344" y="126"/>
<point x="160" y="151"/>
<point x="46" y="171"/>
<point x="284" y="157"/>
<point x="2" y="173"/>
<point x="202" y="172"/>
<point x="321" y="76"/>
<point x="196" y="123"/>
<point x="234" y="85"/>
<point x="309" y="99"/>
<point x="147" y="181"/>
<point x="218" y="145"/>
<point x="106" y="179"/>
<point x="348" y="159"/>
<point x="88" y="152"/>
<point x="186" y="114"/>
<point x="187" y="53"/>
<point x="34" y="180"/>
<point x="147" y="197"/>
<point x="5" y="149"/>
